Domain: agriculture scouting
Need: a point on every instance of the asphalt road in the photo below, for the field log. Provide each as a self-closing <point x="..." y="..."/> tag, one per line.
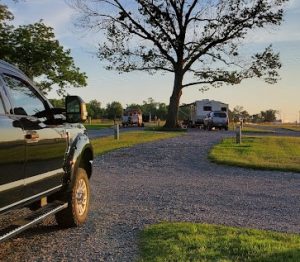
<point x="170" y="180"/>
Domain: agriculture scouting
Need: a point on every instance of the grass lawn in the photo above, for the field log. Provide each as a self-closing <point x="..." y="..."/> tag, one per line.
<point x="292" y="127"/>
<point x="97" y="126"/>
<point x="183" y="242"/>
<point x="272" y="153"/>
<point x="248" y="129"/>
<point x="128" y="139"/>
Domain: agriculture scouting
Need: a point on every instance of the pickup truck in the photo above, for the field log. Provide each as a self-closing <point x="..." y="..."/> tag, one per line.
<point x="45" y="155"/>
<point x="216" y="119"/>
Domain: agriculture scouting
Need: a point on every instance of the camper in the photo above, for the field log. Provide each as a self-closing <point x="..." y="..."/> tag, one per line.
<point x="201" y="108"/>
<point x="132" y="117"/>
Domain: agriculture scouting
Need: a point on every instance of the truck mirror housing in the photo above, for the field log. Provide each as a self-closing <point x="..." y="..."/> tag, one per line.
<point x="75" y="109"/>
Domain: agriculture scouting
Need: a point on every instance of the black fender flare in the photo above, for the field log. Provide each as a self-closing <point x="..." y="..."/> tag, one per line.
<point x="79" y="154"/>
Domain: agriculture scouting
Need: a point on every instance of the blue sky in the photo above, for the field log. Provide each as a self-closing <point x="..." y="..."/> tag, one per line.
<point x="108" y="86"/>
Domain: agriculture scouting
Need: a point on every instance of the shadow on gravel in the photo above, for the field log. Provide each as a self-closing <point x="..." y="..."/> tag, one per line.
<point x="39" y="230"/>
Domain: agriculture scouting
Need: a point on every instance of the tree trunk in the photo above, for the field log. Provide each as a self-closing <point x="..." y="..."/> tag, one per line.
<point x="172" y="117"/>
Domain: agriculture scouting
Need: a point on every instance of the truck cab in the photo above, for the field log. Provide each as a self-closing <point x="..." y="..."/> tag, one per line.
<point x="45" y="153"/>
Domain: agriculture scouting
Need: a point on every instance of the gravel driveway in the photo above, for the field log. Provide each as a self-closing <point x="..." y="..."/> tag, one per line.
<point x="169" y="180"/>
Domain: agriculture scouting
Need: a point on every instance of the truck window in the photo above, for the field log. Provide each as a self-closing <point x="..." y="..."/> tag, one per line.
<point x="2" y="111"/>
<point x="25" y="100"/>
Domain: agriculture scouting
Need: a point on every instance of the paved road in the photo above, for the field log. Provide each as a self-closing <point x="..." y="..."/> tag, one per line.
<point x="170" y="180"/>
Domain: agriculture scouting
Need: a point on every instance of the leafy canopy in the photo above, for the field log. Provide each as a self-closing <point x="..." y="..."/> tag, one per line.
<point x="114" y="110"/>
<point x="34" y="49"/>
<point x="202" y="38"/>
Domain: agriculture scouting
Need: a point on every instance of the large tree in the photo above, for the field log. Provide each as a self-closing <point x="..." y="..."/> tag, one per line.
<point x="268" y="115"/>
<point x="36" y="51"/>
<point x="114" y="110"/>
<point x="196" y="40"/>
<point x="239" y="113"/>
<point x="94" y="109"/>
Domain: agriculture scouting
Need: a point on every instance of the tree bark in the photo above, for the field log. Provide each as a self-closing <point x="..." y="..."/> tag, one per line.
<point x="172" y="116"/>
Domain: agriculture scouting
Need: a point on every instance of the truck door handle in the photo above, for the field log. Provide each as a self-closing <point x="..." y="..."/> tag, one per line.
<point x="32" y="135"/>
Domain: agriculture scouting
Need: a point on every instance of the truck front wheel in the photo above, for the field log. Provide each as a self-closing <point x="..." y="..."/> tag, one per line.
<point x="78" y="202"/>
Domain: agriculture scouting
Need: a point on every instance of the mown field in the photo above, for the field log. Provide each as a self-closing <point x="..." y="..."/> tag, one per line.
<point x="183" y="242"/>
<point x="271" y="153"/>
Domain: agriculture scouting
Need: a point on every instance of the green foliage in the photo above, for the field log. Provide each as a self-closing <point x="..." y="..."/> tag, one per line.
<point x="162" y="111"/>
<point x="264" y="116"/>
<point x="156" y="109"/>
<point x="184" y="113"/>
<point x="268" y="115"/>
<point x="94" y="109"/>
<point x="271" y="153"/>
<point x="239" y="113"/>
<point x="114" y="110"/>
<point x="34" y="49"/>
<point x="183" y="242"/>
<point x="60" y="103"/>
<point x="5" y="31"/>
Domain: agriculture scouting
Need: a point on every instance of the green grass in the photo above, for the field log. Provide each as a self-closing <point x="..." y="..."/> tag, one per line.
<point x="248" y="129"/>
<point x="128" y="139"/>
<point x="164" y="129"/>
<point x="272" y="153"/>
<point x="184" y="242"/>
<point x="97" y="126"/>
<point x="292" y="128"/>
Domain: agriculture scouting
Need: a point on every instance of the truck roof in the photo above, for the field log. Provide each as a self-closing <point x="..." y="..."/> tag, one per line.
<point x="9" y="67"/>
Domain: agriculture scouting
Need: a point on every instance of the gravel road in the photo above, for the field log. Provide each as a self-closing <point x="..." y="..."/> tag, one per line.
<point x="169" y="180"/>
<point x="110" y="131"/>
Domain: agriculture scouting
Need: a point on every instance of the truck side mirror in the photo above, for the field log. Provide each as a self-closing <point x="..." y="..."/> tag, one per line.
<point x="75" y="109"/>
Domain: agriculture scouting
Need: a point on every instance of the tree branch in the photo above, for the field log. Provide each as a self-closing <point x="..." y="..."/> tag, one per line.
<point x="149" y="36"/>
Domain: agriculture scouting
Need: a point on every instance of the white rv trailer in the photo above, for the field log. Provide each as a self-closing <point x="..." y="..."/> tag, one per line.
<point x="200" y="109"/>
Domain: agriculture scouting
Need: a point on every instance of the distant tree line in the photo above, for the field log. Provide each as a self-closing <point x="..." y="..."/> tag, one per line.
<point x="239" y="113"/>
<point x="114" y="110"/>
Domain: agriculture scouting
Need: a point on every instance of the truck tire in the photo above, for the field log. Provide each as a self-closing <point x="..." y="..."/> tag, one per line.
<point x="78" y="199"/>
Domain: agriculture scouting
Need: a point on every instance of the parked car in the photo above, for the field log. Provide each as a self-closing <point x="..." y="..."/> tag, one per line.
<point x="216" y="119"/>
<point x="45" y="154"/>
